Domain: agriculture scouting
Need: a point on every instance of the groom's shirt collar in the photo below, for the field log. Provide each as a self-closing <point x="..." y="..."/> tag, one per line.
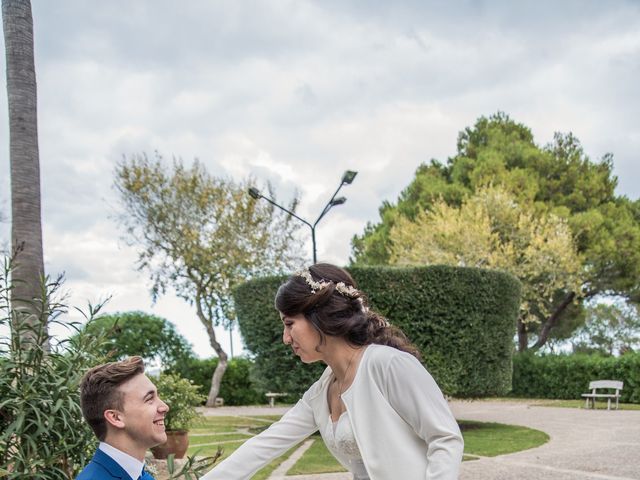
<point x="131" y="465"/>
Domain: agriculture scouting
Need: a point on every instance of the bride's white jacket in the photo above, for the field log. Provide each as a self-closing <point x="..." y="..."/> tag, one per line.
<point x="400" y="419"/>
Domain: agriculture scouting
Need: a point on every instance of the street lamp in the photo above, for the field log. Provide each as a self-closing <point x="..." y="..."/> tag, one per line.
<point x="347" y="179"/>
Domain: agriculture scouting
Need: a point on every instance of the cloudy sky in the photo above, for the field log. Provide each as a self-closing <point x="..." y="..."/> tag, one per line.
<point x="295" y="92"/>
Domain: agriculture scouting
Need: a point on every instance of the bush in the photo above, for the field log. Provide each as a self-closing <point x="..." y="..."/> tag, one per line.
<point x="182" y="397"/>
<point x="42" y="432"/>
<point x="237" y="387"/>
<point x="462" y="320"/>
<point x="568" y="376"/>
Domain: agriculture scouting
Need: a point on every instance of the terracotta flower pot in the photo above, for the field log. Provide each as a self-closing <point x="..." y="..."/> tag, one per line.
<point x="177" y="443"/>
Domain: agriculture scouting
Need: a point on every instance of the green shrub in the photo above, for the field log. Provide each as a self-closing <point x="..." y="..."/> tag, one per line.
<point x="568" y="376"/>
<point x="461" y="319"/>
<point x="237" y="387"/>
<point x="42" y="432"/>
<point x="197" y="370"/>
<point x="182" y="397"/>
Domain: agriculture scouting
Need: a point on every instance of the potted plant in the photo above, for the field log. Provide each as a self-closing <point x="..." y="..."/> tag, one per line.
<point x="182" y="397"/>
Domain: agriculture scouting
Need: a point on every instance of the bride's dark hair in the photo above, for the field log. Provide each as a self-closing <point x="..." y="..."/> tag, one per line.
<point x="336" y="313"/>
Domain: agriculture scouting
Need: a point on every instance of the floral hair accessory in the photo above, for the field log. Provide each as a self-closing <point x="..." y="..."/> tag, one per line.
<point x="316" y="286"/>
<point x="347" y="290"/>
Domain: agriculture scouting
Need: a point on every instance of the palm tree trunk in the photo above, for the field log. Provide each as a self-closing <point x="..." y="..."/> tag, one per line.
<point x="26" y="227"/>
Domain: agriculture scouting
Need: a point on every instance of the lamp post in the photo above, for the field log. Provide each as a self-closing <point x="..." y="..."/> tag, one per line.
<point x="347" y="179"/>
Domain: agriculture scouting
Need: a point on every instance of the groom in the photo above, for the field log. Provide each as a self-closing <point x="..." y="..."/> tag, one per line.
<point x="122" y="407"/>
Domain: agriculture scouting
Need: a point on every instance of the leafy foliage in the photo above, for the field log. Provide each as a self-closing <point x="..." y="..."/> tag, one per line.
<point x="461" y="319"/>
<point x="202" y="236"/>
<point x="182" y="397"/>
<point x="195" y="466"/>
<point x="609" y="329"/>
<point x="557" y="179"/>
<point x="491" y="229"/>
<point x="568" y="376"/>
<point x="139" y="333"/>
<point x="237" y="387"/>
<point x="42" y="432"/>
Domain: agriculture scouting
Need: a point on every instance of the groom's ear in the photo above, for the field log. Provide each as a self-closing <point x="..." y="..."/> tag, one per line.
<point x="114" y="418"/>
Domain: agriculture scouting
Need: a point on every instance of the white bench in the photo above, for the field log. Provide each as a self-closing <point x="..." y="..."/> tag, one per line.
<point x="603" y="384"/>
<point x="272" y="397"/>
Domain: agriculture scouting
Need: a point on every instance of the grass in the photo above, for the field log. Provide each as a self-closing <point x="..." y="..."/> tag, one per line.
<point x="198" y="440"/>
<point x="229" y="424"/>
<point x="547" y="402"/>
<point x="228" y="433"/>
<point x="316" y="459"/>
<point x="600" y="405"/>
<point x="492" y="439"/>
<point x="480" y="440"/>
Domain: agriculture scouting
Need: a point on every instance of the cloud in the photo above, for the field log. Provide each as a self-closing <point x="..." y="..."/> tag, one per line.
<point x="296" y="92"/>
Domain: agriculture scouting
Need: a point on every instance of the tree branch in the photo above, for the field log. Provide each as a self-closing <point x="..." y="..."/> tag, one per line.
<point x="552" y="321"/>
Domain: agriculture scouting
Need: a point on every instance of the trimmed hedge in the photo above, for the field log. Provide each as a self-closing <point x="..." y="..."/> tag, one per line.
<point x="462" y="320"/>
<point x="568" y="376"/>
<point x="275" y="368"/>
<point x="237" y="387"/>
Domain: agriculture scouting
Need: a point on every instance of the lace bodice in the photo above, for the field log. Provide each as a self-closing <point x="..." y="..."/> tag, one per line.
<point x="339" y="439"/>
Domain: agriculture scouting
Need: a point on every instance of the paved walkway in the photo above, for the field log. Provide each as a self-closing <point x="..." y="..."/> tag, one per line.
<point x="584" y="444"/>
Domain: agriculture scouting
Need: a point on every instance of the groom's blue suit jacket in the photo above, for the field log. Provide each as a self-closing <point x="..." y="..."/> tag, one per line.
<point x="103" y="467"/>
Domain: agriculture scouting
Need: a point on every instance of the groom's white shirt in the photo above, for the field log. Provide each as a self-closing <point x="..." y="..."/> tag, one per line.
<point x="131" y="465"/>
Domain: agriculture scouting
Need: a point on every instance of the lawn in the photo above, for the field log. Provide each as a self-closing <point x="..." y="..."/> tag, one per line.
<point x="228" y="433"/>
<point x="316" y="460"/>
<point x="548" y="402"/>
<point x="600" y="405"/>
<point x="492" y="439"/>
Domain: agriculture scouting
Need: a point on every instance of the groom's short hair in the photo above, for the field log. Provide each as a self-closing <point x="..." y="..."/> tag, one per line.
<point x="99" y="391"/>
